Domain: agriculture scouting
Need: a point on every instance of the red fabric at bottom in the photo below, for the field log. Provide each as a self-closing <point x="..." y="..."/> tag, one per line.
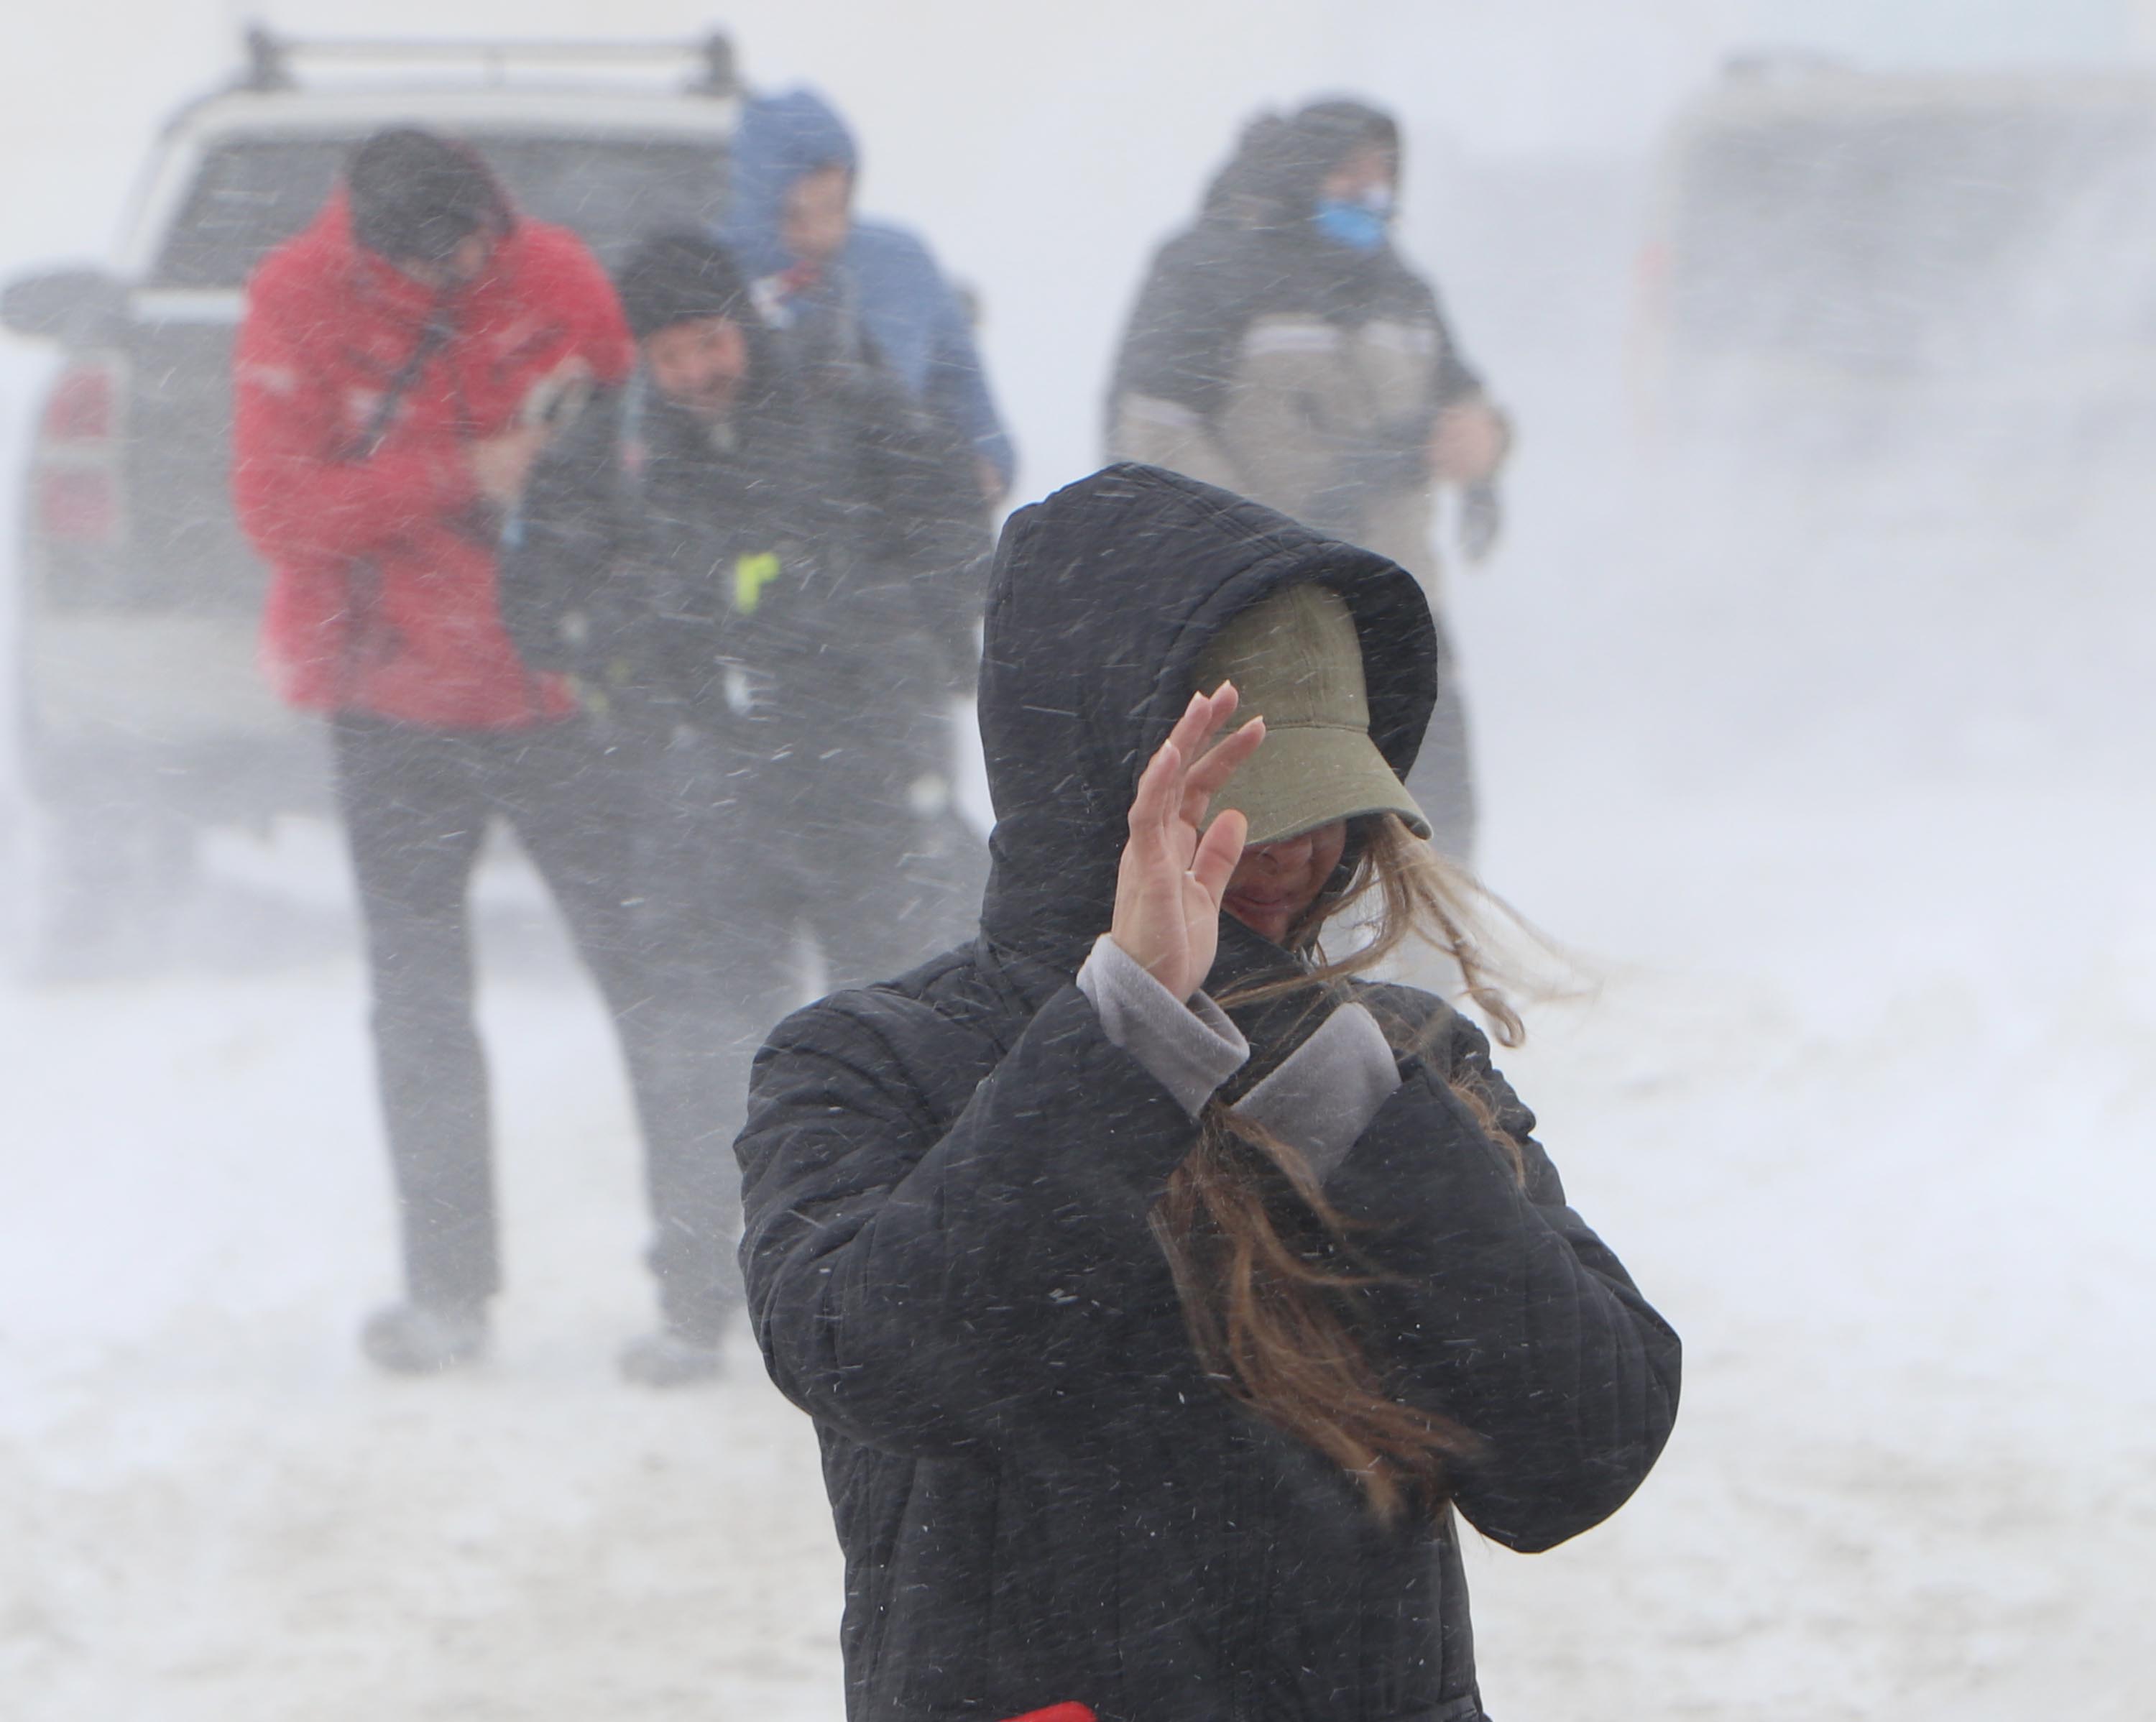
<point x="1057" y="1713"/>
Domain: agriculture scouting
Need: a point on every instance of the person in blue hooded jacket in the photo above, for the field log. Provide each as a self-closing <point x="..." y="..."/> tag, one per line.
<point x="851" y="289"/>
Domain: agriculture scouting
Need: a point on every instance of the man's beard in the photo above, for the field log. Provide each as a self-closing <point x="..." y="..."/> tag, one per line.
<point x="709" y="406"/>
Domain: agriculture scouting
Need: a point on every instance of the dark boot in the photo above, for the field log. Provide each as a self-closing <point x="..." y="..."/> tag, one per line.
<point x="671" y="1358"/>
<point x="424" y="1339"/>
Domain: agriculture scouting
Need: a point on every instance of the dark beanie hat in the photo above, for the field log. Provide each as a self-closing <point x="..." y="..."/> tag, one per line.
<point x="415" y="195"/>
<point x="676" y="277"/>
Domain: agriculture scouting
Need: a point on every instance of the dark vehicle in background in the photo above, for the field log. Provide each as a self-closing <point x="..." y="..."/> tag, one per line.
<point x="140" y="716"/>
<point x="1844" y="267"/>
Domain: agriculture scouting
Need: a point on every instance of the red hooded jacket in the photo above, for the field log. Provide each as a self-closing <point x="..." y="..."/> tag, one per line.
<point x="383" y="596"/>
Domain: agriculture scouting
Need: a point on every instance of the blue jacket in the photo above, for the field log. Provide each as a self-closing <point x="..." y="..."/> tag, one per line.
<point x="887" y="279"/>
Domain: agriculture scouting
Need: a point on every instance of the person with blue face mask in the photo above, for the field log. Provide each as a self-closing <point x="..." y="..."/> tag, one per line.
<point x="1283" y="348"/>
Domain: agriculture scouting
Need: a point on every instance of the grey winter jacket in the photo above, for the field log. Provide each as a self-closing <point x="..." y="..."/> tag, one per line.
<point x="1266" y="357"/>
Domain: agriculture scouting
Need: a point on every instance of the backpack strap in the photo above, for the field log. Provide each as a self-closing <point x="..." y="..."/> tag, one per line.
<point x="363" y="626"/>
<point x="432" y="339"/>
<point x="632" y="454"/>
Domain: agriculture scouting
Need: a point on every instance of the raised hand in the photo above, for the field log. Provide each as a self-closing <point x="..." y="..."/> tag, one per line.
<point x="1174" y="867"/>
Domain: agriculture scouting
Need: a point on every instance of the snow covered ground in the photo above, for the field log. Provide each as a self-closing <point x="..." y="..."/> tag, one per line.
<point x="1865" y="1097"/>
<point x="1844" y="797"/>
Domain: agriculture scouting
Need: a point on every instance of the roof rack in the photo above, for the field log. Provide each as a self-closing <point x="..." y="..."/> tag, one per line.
<point x="271" y="56"/>
<point x="1781" y="65"/>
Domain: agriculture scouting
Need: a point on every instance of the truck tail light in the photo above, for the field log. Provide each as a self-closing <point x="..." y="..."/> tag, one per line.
<point x="81" y="503"/>
<point x="75" y="485"/>
<point x="83" y="408"/>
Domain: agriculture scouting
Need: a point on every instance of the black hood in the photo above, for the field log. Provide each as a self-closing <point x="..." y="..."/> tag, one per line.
<point x="1253" y="253"/>
<point x="1273" y="179"/>
<point x="1103" y="598"/>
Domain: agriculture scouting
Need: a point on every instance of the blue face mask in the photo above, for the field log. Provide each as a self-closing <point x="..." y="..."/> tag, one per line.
<point x="1359" y="224"/>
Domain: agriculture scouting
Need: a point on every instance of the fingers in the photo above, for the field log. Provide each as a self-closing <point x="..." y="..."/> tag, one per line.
<point x="1225" y="757"/>
<point x="1171" y="789"/>
<point x="1201" y="718"/>
<point x="1218" y="851"/>
<point x="1158" y="794"/>
<point x="1160" y="785"/>
<point x="1211" y="774"/>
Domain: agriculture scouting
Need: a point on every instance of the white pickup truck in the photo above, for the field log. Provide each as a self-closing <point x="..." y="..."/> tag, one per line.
<point x="141" y="715"/>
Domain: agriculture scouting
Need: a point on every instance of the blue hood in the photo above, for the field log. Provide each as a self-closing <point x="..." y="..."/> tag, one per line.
<point x="907" y="309"/>
<point x="779" y="139"/>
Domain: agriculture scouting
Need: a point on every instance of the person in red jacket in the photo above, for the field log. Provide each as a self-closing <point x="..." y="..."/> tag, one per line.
<point x="399" y="369"/>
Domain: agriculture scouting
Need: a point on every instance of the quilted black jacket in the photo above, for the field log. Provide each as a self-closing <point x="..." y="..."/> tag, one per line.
<point x="1039" y="1495"/>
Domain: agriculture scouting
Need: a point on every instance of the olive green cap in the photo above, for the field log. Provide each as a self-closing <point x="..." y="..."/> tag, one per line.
<point x="1297" y="661"/>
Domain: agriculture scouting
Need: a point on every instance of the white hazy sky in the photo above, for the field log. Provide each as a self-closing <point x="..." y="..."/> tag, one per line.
<point x="1044" y="149"/>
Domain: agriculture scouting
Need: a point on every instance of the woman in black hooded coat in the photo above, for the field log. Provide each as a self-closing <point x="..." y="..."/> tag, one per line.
<point x="1079" y="1444"/>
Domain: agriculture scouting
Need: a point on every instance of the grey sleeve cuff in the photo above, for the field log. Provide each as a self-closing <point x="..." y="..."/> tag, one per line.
<point x="1190" y="1048"/>
<point x="1324" y="1095"/>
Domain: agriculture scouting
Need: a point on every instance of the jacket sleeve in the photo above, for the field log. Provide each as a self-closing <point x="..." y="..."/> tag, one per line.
<point x="563" y="274"/>
<point x="1505" y="1311"/>
<point x="299" y="499"/>
<point x="929" y="521"/>
<point x="957" y="387"/>
<point x="559" y="546"/>
<point x="921" y="324"/>
<point x="932" y="1291"/>
<point x="1454" y="380"/>
<point x="1178" y="340"/>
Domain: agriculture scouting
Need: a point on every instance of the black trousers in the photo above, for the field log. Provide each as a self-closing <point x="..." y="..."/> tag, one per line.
<point x="756" y="837"/>
<point x="417" y="804"/>
<point x="1443" y="780"/>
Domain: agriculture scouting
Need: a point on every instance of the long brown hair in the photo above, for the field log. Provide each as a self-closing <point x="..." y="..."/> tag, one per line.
<point x="1266" y="1267"/>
